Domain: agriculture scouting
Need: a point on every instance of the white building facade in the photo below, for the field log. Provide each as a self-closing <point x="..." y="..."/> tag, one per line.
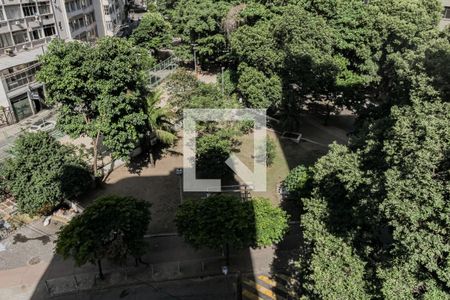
<point x="114" y="15"/>
<point x="27" y="26"/>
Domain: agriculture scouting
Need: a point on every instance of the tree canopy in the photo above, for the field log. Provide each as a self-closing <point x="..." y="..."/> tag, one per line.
<point x="222" y="220"/>
<point x="100" y="91"/>
<point x="153" y="32"/>
<point x="386" y="197"/>
<point x="41" y="173"/>
<point x="111" y="228"/>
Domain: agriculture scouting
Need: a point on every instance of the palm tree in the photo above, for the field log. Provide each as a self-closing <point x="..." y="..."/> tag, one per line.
<point x="158" y="121"/>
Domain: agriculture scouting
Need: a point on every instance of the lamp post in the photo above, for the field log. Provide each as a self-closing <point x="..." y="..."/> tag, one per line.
<point x="179" y="173"/>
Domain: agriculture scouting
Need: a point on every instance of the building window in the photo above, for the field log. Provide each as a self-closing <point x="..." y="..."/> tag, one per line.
<point x="77" y="24"/>
<point x="29" y="10"/>
<point x="13" y="12"/>
<point x="20" y="37"/>
<point x="49" y="30"/>
<point x="90" y="18"/>
<point x="2" y="16"/>
<point x="106" y="9"/>
<point x="447" y="12"/>
<point x="74" y="5"/>
<point x="44" y="8"/>
<point x="5" y="40"/>
<point x="36" y="34"/>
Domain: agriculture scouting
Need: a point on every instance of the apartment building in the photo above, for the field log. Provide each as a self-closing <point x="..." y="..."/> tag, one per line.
<point x="76" y="19"/>
<point x="27" y="26"/>
<point x="87" y="20"/>
<point x="114" y="15"/>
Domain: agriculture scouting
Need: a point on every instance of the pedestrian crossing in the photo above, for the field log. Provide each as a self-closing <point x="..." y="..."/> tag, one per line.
<point x="266" y="287"/>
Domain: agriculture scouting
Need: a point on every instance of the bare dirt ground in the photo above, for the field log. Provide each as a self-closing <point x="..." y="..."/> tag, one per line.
<point x="158" y="185"/>
<point x="161" y="186"/>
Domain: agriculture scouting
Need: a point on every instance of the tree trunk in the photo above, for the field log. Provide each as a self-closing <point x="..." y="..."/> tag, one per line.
<point x="327" y="117"/>
<point x="95" y="163"/>
<point x="151" y="157"/>
<point x="227" y="254"/>
<point x="100" y="270"/>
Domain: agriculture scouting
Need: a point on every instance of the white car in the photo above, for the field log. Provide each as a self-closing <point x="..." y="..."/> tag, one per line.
<point x="42" y="126"/>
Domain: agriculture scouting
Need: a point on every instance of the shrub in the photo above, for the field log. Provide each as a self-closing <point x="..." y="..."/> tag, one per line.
<point x="42" y="172"/>
<point x="298" y="181"/>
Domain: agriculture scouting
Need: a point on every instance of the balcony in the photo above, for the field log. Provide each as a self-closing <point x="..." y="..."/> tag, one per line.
<point x="27" y="45"/>
<point x="21" y="78"/>
<point x="81" y="11"/>
<point x="11" y="2"/>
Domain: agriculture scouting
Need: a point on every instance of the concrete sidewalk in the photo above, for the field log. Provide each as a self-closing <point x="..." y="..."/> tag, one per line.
<point x="9" y="134"/>
<point x="14" y="129"/>
<point x="27" y="274"/>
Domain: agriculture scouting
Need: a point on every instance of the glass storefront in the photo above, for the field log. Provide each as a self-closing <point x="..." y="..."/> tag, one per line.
<point x="21" y="107"/>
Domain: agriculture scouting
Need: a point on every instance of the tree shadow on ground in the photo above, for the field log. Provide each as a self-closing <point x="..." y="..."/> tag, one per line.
<point x="316" y="137"/>
<point x="172" y="269"/>
<point x="20" y="238"/>
<point x="170" y="258"/>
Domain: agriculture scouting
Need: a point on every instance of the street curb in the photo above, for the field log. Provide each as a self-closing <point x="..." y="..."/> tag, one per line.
<point x="157" y="235"/>
<point x="135" y="281"/>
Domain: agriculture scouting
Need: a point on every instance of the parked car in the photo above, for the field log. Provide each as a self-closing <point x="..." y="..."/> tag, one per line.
<point x="42" y="126"/>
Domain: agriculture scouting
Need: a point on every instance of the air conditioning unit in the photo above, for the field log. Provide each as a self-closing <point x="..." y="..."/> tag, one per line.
<point x="9" y="51"/>
<point x="17" y="23"/>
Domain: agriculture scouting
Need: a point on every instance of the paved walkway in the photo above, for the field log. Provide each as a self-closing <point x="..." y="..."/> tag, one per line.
<point x="30" y="270"/>
<point x="9" y="134"/>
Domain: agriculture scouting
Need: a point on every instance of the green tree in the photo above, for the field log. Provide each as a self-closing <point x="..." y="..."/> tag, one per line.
<point x="388" y="200"/>
<point x="298" y="182"/>
<point x="223" y="221"/>
<point x="41" y="173"/>
<point x="159" y="120"/>
<point x="181" y="85"/>
<point x="403" y="26"/>
<point x="111" y="228"/>
<point x="217" y="222"/>
<point x="258" y="90"/>
<point x="333" y="261"/>
<point x="153" y="32"/>
<point x="270" y="223"/>
<point x="159" y="123"/>
<point x="199" y="22"/>
<point x="99" y="91"/>
<point x="257" y="47"/>
<point x="212" y="150"/>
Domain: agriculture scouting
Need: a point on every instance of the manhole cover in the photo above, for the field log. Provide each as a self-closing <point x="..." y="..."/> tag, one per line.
<point x="35" y="260"/>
